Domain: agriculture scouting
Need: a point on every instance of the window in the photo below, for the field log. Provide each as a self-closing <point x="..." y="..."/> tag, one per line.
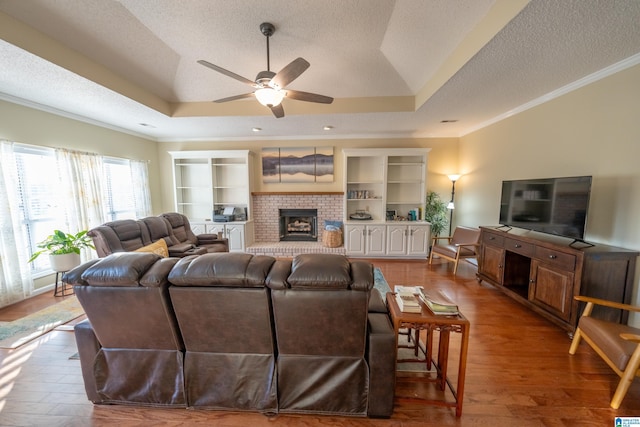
<point x="38" y="205"/>
<point x="119" y="200"/>
<point x="42" y="203"/>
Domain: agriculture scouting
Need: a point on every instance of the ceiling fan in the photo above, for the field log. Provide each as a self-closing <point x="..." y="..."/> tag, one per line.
<point x="270" y="87"/>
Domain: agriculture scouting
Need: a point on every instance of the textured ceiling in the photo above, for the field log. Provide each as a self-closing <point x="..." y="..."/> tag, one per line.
<point x="395" y="68"/>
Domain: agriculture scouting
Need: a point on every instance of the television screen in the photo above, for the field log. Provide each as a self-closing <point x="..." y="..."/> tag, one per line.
<point x="552" y="205"/>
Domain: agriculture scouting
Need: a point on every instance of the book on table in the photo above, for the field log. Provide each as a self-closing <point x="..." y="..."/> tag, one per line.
<point x="407" y="302"/>
<point x="438" y="302"/>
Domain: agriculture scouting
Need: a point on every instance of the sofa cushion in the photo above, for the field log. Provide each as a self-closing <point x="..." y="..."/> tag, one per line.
<point x="120" y="269"/>
<point x="158" y="248"/>
<point x="222" y="269"/>
<point x="320" y="271"/>
<point x="606" y="335"/>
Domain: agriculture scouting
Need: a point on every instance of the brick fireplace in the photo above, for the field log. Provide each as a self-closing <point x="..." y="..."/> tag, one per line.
<point x="267" y="205"/>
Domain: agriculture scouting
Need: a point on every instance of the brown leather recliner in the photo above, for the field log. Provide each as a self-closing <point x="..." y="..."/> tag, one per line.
<point x="128" y="235"/>
<point x="321" y="318"/>
<point x="181" y="230"/>
<point x="236" y="331"/>
<point x="224" y="312"/>
<point x="131" y="349"/>
<point x="159" y="228"/>
<point x="123" y="235"/>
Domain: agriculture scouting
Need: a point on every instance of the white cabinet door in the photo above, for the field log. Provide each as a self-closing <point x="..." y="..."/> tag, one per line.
<point x="418" y="243"/>
<point x="396" y="240"/>
<point x="235" y="234"/>
<point x="198" y="228"/>
<point x="215" y="228"/>
<point x="375" y="240"/>
<point x="354" y="237"/>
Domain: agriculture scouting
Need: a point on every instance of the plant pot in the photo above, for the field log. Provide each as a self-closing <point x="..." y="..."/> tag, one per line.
<point x="64" y="262"/>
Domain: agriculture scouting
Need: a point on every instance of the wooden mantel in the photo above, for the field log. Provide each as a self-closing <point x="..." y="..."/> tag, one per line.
<point x="297" y="193"/>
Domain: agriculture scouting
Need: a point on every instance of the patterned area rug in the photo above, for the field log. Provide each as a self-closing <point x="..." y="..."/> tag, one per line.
<point x="14" y="334"/>
<point x="380" y="283"/>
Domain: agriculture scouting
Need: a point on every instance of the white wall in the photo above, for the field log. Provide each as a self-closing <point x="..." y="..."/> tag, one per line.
<point x="594" y="130"/>
<point x="29" y="126"/>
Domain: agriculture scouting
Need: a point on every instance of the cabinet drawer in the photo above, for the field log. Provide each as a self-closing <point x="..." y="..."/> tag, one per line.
<point x="522" y="248"/>
<point x="556" y="258"/>
<point x="492" y="239"/>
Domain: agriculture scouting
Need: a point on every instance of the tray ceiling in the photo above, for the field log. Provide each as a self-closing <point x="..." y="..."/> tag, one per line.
<point x="395" y="68"/>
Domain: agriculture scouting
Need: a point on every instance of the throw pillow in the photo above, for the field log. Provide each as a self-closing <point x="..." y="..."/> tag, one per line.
<point x="159" y="248"/>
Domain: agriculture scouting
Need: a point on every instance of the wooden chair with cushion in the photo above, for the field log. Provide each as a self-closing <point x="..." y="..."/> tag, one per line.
<point x="463" y="243"/>
<point x="617" y="344"/>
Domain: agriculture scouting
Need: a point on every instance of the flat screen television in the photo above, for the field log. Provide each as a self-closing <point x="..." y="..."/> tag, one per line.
<point x="551" y="205"/>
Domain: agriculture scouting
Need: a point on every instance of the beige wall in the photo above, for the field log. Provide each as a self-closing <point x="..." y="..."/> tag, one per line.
<point x="29" y="126"/>
<point x="442" y="159"/>
<point x="594" y="131"/>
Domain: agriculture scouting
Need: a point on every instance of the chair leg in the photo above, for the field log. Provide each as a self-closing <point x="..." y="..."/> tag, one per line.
<point x="577" y="337"/>
<point x="455" y="266"/>
<point x="430" y="256"/>
<point x="626" y="379"/>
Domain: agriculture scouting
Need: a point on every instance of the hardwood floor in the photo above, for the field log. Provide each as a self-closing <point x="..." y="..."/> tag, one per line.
<point x="519" y="373"/>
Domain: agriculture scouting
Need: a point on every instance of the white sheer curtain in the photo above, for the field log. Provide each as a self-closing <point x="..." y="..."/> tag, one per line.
<point x="81" y="195"/>
<point x="81" y="189"/>
<point x="16" y="283"/>
<point x="141" y="193"/>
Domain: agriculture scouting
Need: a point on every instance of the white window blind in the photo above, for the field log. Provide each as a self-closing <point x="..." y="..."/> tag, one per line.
<point x="40" y="203"/>
<point x="42" y="195"/>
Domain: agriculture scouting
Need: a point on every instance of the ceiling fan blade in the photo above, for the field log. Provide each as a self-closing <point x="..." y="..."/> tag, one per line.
<point x="233" y="98"/>
<point x="277" y="111"/>
<point x="227" y="73"/>
<point x="308" y="96"/>
<point x="289" y="73"/>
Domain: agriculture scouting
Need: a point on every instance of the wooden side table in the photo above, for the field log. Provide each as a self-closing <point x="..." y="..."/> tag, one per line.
<point x="445" y="325"/>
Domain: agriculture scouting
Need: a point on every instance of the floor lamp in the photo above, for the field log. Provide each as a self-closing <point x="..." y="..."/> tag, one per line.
<point x="451" y="206"/>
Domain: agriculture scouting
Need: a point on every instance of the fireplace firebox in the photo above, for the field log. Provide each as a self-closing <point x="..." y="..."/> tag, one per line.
<point x="298" y="225"/>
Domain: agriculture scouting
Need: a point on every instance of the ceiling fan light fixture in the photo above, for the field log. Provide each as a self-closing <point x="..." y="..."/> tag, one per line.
<point x="269" y="97"/>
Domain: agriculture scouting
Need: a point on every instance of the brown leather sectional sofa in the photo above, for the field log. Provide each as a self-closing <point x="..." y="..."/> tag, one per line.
<point x="129" y="235"/>
<point x="234" y="331"/>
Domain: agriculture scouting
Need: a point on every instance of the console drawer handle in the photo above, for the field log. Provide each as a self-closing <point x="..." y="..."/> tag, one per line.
<point x="553" y="256"/>
<point x="492" y="238"/>
<point x="517" y="245"/>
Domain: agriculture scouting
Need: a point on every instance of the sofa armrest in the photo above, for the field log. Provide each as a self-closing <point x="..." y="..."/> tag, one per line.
<point x="207" y="238"/>
<point x="88" y="348"/>
<point x="74" y="276"/>
<point x="362" y="275"/>
<point x="381" y="356"/>
<point x="377" y="302"/>
<point x="180" y="250"/>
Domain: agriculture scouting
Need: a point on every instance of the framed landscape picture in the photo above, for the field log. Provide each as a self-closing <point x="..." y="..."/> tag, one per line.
<point x="297" y="164"/>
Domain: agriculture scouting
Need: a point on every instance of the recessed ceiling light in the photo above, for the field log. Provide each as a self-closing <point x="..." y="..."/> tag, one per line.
<point x="327" y="127"/>
<point x="448" y="121"/>
<point x="256" y="129"/>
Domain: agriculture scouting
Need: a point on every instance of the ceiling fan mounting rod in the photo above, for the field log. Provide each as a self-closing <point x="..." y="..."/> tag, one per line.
<point x="267" y="29"/>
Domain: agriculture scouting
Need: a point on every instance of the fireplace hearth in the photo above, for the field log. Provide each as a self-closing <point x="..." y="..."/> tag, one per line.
<point x="298" y="225"/>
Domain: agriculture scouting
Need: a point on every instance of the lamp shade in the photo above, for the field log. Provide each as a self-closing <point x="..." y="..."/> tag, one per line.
<point x="454" y="177"/>
<point x="269" y="97"/>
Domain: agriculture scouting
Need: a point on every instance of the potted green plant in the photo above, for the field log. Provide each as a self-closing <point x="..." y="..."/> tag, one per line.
<point x="435" y="212"/>
<point x="63" y="249"/>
